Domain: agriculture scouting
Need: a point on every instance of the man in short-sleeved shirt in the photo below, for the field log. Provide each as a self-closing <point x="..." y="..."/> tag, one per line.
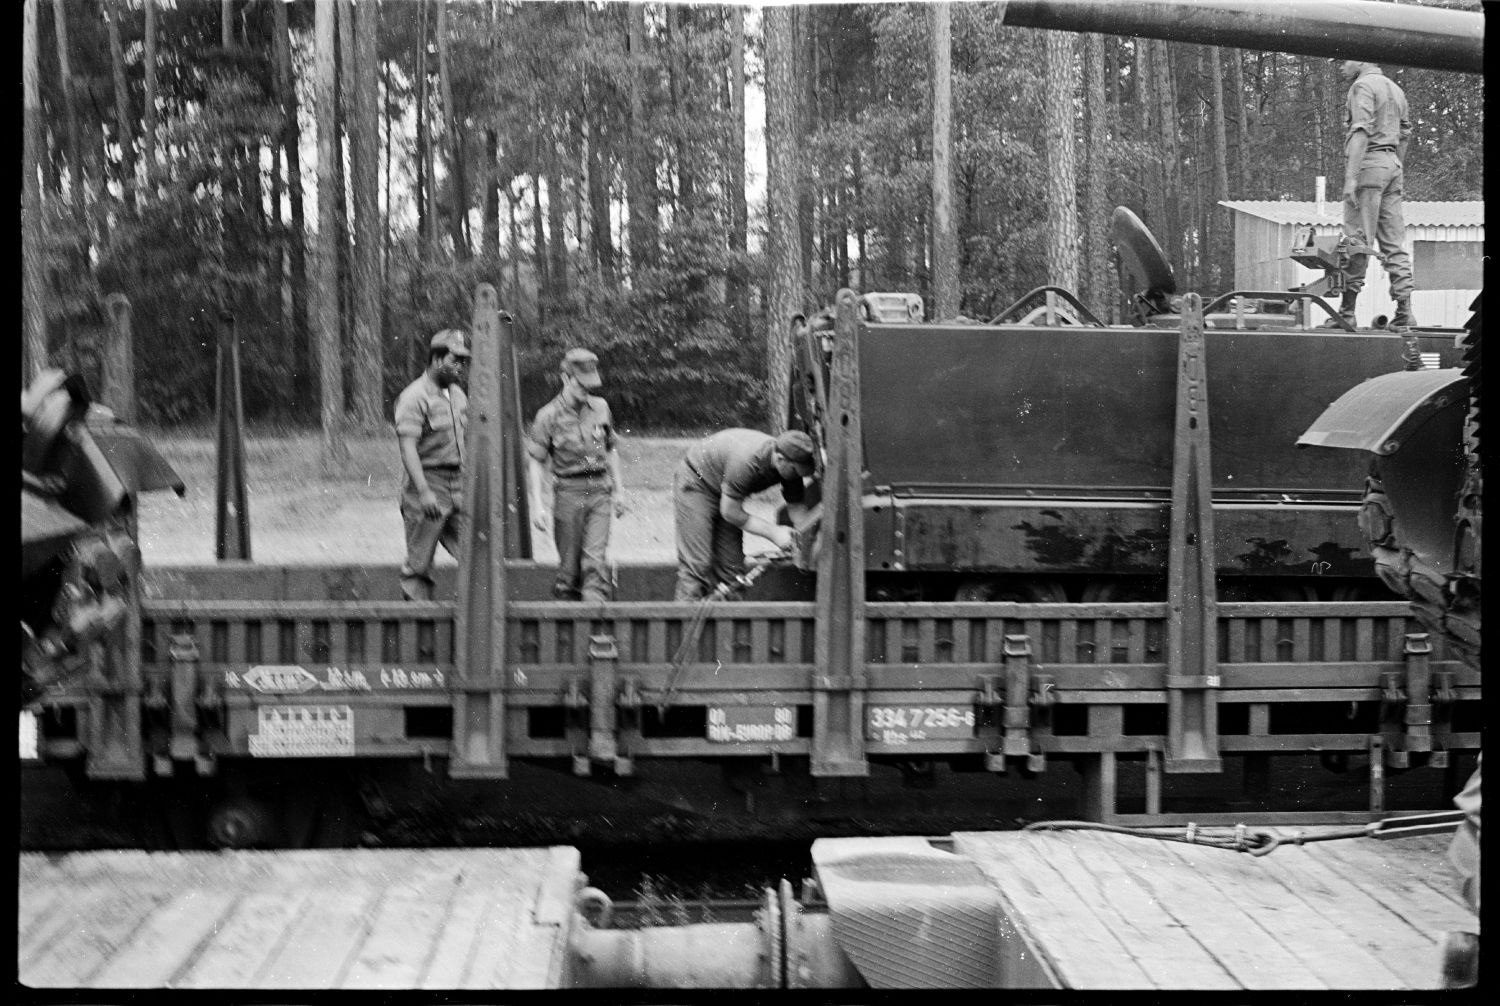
<point x="573" y="436"/>
<point x="431" y="420"/>
<point x="1376" y="130"/>
<point x="716" y="476"/>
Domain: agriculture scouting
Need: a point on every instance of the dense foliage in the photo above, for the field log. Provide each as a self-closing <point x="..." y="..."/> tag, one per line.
<point x="582" y="158"/>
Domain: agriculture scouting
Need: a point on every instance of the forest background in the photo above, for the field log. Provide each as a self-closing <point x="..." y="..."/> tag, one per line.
<point x="589" y="160"/>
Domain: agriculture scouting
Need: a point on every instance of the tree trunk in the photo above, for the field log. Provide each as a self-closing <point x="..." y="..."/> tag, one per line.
<point x="557" y="268"/>
<point x="1241" y="131"/>
<point x="598" y="191"/>
<point x="33" y="268"/>
<point x="458" y="191"/>
<point x="539" y="238"/>
<point x="1058" y="141"/>
<point x="1319" y="102"/>
<point x="1223" y="254"/>
<point x="363" y="123"/>
<point x="806" y="73"/>
<point x="70" y="111"/>
<point x="231" y="190"/>
<point x="1099" y="286"/>
<point x="641" y="183"/>
<point x="491" y="171"/>
<point x="784" y="271"/>
<point x="122" y="103"/>
<point x="291" y="142"/>
<point x="326" y="289"/>
<point x="1170" y="234"/>
<point x="739" y="302"/>
<point x="148" y="130"/>
<point x="491" y="194"/>
<point x="945" y="280"/>
<point x="426" y="223"/>
<point x="385" y="219"/>
<point x="866" y="278"/>
<point x="515" y="246"/>
<point x="679" y="18"/>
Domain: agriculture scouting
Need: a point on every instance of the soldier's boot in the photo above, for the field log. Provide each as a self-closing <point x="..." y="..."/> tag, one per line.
<point x="1346" y="311"/>
<point x="1403" y="320"/>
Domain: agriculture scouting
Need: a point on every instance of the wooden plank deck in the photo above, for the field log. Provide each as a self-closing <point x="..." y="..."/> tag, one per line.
<point x="1114" y="911"/>
<point x="354" y="919"/>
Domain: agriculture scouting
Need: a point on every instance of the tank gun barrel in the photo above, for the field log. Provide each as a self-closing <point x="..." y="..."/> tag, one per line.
<point x="1390" y="33"/>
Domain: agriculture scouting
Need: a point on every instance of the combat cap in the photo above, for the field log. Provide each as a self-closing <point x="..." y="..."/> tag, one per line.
<point x="450" y="340"/>
<point x="584" y="365"/>
<point x="796" y="447"/>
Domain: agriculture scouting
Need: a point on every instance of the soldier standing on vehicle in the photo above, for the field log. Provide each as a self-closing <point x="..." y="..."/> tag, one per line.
<point x="575" y="435"/>
<point x="431" y="418"/>
<point x="710" y="487"/>
<point x="1376" y="130"/>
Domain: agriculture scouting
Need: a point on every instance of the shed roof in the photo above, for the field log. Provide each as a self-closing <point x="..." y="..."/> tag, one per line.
<point x="1417" y="214"/>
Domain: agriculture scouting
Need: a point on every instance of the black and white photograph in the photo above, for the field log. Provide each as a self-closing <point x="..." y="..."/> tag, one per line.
<point x="647" y="498"/>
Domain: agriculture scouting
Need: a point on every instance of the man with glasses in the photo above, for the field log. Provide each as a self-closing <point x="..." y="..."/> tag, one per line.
<point x="431" y="418"/>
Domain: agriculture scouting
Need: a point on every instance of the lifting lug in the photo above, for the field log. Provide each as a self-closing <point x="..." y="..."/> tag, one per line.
<point x="183" y="686"/>
<point x="1390" y="688"/>
<point x="1443" y="690"/>
<point x="630" y="694"/>
<point x="574" y="698"/>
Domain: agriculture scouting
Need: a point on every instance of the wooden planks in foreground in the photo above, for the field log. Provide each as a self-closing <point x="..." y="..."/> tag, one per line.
<point x="1089" y="909"/>
<point x="362" y="919"/>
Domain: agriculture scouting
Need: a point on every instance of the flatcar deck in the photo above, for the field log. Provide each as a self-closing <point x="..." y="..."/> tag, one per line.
<point x="362" y="919"/>
<point x="1090" y="909"/>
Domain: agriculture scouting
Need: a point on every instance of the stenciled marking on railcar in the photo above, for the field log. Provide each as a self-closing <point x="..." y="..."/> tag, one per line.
<point x="294" y="679"/>
<point x="300" y="731"/>
<point x="30" y="735"/>
<point x="751" y="724"/>
<point x="904" y="724"/>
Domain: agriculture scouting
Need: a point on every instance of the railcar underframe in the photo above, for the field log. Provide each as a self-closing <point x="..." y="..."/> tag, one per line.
<point x="299" y="667"/>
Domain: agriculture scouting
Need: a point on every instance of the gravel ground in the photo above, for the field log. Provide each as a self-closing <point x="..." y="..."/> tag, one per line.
<point x="302" y="513"/>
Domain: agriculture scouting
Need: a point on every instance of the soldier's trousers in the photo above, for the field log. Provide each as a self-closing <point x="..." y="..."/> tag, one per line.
<point x="710" y="550"/>
<point x="581" y="512"/>
<point x="1373" y="217"/>
<point x="423" y="533"/>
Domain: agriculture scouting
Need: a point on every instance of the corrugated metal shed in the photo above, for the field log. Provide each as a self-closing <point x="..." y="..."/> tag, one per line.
<point x="1265" y="230"/>
<point x="1417" y="214"/>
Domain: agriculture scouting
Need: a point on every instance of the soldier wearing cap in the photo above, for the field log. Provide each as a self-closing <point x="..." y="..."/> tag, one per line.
<point x="431" y="417"/>
<point x="574" y="437"/>
<point x="716" y="476"/>
<point x="1377" y="128"/>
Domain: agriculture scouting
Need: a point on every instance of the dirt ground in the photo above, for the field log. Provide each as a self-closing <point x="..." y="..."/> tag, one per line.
<point x="303" y="513"/>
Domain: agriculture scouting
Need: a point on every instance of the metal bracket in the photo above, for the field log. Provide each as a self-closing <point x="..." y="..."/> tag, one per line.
<point x="1418" y="717"/>
<point x="497" y="530"/>
<point x="1192" y="632"/>
<point x="183" y="688"/>
<point x="603" y="658"/>
<point x="838" y="743"/>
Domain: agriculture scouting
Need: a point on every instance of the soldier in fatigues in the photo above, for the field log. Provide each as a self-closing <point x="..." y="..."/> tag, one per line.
<point x="716" y="476"/>
<point x="1376" y="130"/>
<point x="574" y="434"/>
<point x="431" y="419"/>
